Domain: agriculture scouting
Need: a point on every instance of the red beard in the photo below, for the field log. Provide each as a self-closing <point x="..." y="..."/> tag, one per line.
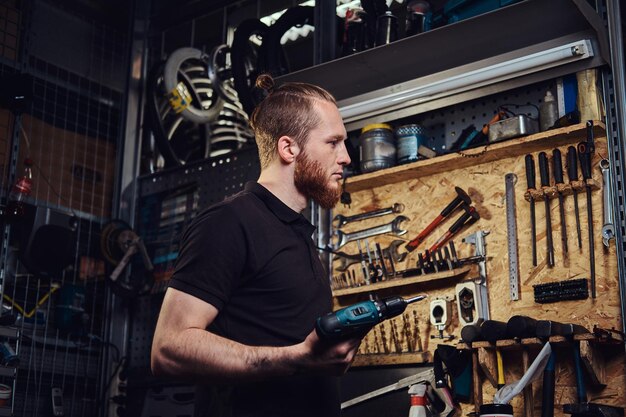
<point x="311" y="181"/>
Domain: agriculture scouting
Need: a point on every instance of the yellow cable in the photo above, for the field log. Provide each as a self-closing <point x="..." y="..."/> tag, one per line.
<point x="39" y="303"/>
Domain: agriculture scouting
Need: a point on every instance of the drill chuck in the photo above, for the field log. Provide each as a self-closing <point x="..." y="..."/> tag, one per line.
<point x="359" y="318"/>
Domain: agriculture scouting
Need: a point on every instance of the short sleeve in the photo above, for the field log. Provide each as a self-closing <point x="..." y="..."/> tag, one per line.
<point x="212" y="256"/>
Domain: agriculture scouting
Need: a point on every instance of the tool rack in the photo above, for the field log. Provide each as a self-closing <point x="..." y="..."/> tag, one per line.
<point x="424" y="187"/>
<point x="598" y="354"/>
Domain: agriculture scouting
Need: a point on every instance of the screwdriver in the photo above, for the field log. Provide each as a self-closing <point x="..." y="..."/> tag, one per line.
<point x="585" y="154"/>
<point x="530" y="180"/>
<point x="544" y="173"/>
<point x="361" y="317"/>
<point x="572" y="174"/>
<point x="557" y="168"/>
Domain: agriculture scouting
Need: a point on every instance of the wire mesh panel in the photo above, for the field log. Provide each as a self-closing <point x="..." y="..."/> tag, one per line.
<point x="51" y="264"/>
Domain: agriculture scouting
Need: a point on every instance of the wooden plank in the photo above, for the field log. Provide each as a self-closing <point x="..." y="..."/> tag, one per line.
<point x="472" y="157"/>
<point x="391" y="359"/>
<point x="399" y="282"/>
<point x="487" y="362"/>
<point x="594" y="363"/>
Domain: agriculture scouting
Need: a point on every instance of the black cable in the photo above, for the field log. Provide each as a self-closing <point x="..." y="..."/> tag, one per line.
<point x="504" y="107"/>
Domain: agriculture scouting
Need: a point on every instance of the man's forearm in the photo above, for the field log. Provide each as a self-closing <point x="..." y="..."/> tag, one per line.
<point x="196" y="353"/>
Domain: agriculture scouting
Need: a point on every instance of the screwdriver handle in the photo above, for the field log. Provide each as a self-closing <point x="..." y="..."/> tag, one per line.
<point x="584" y="155"/>
<point x="557" y="166"/>
<point x="544" y="170"/>
<point x="530" y="172"/>
<point x="572" y="164"/>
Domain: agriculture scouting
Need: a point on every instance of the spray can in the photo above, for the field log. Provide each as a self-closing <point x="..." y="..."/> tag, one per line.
<point x="548" y="112"/>
<point x="417" y="394"/>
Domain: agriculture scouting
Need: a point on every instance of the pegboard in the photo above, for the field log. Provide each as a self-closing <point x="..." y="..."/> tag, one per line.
<point x="216" y="178"/>
<point x="445" y="125"/>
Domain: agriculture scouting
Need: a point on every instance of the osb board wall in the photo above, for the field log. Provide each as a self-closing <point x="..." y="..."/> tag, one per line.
<point x="71" y="170"/>
<point x="426" y="196"/>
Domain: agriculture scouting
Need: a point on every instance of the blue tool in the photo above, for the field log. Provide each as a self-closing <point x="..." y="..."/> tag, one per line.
<point x="359" y="318"/>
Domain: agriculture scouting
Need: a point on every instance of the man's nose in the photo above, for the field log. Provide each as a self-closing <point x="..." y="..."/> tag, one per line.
<point x="344" y="157"/>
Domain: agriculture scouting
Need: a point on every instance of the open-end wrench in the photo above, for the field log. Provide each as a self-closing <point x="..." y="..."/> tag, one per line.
<point x="339" y="238"/>
<point x="346" y="259"/>
<point x="339" y="220"/>
<point x="608" y="228"/>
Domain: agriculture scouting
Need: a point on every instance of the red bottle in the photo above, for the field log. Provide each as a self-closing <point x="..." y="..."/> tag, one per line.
<point x="22" y="189"/>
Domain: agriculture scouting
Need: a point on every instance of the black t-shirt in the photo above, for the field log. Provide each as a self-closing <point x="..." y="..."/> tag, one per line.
<point x="253" y="258"/>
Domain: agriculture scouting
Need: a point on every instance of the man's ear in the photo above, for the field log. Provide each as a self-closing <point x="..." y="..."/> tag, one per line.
<point x="288" y="149"/>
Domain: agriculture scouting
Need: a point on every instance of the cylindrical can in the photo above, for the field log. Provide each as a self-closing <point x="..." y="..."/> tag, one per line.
<point x="378" y="148"/>
<point x="496" y="410"/>
<point x="5" y="395"/>
<point x="386" y="29"/>
<point x="408" y="140"/>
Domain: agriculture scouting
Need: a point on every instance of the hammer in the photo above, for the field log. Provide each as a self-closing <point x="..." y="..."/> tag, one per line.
<point x="545" y="329"/>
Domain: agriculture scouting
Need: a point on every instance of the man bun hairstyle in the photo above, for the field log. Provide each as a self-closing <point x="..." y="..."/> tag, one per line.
<point x="287" y="110"/>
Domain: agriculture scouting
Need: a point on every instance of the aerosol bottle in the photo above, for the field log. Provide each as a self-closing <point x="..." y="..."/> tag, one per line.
<point x="548" y="112"/>
<point x="20" y="190"/>
<point x="417" y="393"/>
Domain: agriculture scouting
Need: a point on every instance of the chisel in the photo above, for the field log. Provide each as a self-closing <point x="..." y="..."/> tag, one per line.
<point x="572" y="175"/>
<point x="557" y="168"/>
<point x="544" y="173"/>
<point x="530" y="180"/>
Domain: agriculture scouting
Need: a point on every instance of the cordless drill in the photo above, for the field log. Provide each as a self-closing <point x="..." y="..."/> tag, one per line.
<point x="360" y="317"/>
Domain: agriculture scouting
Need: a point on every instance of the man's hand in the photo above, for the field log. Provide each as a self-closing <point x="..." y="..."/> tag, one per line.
<point x="329" y="357"/>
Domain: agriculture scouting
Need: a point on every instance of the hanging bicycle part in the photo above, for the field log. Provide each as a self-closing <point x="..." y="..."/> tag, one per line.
<point x="119" y="245"/>
<point x="231" y="130"/>
<point x="243" y="55"/>
<point x="178" y="140"/>
<point x="193" y="64"/>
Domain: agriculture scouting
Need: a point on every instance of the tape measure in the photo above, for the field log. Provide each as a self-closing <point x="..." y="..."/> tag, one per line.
<point x="511" y="232"/>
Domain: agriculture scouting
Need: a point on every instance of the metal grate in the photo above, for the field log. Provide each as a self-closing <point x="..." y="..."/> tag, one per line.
<point x="71" y="131"/>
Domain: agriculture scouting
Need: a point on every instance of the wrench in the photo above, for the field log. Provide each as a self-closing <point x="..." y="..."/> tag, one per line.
<point x="339" y="220"/>
<point x="608" y="228"/>
<point x="339" y="238"/>
<point x="345" y="260"/>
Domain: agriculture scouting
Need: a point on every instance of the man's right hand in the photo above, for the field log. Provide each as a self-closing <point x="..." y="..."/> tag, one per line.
<point x="329" y="357"/>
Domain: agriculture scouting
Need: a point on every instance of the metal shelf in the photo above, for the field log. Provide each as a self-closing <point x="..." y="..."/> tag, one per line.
<point x="480" y="155"/>
<point x="527" y="26"/>
<point x="10" y="332"/>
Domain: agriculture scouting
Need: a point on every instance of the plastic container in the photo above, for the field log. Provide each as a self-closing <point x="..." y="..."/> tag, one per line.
<point x="378" y="147"/>
<point x="496" y="410"/>
<point x="548" y="112"/>
<point x="5" y="395"/>
<point x="408" y="140"/>
<point x="8" y="357"/>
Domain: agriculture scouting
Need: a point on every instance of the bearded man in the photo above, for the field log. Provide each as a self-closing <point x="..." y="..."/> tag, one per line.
<point x="238" y="317"/>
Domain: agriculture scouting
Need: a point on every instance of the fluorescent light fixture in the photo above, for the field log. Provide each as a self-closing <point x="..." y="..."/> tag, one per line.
<point x="471" y="79"/>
